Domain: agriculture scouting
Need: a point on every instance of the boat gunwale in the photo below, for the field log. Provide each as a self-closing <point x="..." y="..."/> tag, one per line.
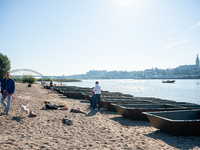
<point x="113" y="101"/>
<point x="171" y="120"/>
<point x="134" y="108"/>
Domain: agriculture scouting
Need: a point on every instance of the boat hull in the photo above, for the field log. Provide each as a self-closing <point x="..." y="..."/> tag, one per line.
<point x="168" y="81"/>
<point x="108" y="104"/>
<point x="75" y="95"/>
<point x="135" y="112"/>
<point x="180" y="123"/>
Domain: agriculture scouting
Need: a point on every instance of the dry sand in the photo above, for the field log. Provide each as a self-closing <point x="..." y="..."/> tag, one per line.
<point x="94" y="130"/>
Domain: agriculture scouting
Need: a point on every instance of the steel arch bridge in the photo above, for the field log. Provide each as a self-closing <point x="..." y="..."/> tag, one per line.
<point x="21" y="72"/>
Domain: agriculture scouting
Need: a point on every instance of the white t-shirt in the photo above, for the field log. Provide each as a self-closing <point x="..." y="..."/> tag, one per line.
<point x="97" y="89"/>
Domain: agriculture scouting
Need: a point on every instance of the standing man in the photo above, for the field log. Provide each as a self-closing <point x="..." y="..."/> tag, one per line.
<point x="42" y="82"/>
<point x="7" y="89"/>
<point x="97" y="92"/>
<point x="51" y="85"/>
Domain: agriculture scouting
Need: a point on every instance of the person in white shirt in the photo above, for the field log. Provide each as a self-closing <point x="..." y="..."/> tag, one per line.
<point x="97" y="96"/>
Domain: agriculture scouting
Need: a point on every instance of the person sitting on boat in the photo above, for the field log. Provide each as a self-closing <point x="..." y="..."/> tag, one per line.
<point x="54" y="88"/>
<point x="91" y="100"/>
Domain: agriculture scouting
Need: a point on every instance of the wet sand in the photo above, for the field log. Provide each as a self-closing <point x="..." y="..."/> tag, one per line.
<point x="94" y="130"/>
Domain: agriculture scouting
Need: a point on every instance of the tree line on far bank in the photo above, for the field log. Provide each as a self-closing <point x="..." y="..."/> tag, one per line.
<point x="31" y="79"/>
<point x="59" y="80"/>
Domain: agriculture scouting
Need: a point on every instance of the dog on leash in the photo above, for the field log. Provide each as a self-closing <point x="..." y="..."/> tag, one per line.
<point x="24" y="110"/>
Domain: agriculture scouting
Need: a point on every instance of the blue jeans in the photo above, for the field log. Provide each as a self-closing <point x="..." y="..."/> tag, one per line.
<point x="6" y="105"/>
<point x="97" y="97"/>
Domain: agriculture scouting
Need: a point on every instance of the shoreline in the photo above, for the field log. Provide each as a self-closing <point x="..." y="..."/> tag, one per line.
<point x="94" y="130"/>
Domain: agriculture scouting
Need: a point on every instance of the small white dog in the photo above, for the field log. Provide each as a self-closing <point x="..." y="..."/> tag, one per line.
<point x="25" y="110"/>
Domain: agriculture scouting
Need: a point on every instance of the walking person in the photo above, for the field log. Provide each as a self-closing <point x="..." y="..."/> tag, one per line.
<point x="97" y="92"/>
<point x="7" y="89"/>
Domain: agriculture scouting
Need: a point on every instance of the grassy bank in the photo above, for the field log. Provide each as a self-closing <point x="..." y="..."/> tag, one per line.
<point x="25" y="79"/>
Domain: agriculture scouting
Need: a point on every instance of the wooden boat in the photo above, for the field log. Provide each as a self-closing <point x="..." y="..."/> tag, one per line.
<point x="127" y="95"/>
<point x="174" y="103"/>
<point x="188" y="106"/>
<point x="87" y="95"/>
<point x="134" y="111"/>
<point x="182" y="122"/>
<point x="74" y="94"/>
<point x="73" y="88"/>
<point x="59" y="91"/>
<point x="153" y="99"/>
<point x="108" y="104"/>
<point x="117" y="98"/>
<point x="168" y="81"/>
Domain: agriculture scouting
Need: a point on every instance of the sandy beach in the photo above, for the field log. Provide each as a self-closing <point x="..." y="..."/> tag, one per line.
<point x="93" y="130"/>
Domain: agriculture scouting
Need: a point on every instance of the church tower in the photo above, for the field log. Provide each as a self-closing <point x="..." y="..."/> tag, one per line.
<point x="197" y="61"/>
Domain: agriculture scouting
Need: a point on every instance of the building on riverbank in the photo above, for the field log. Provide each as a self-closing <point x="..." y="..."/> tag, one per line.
<point x="190" y="67"/>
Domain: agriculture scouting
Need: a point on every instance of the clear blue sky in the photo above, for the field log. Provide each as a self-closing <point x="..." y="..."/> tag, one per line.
<point x="66" y="37"/>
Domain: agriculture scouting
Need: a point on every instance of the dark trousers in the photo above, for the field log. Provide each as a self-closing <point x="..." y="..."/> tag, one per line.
<point x="97" y="97"/>
<point x="59" y="105"/>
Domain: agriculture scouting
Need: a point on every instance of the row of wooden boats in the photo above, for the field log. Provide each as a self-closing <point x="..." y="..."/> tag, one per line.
<point x="84" y="93"/>
<point x="178" y="118"/>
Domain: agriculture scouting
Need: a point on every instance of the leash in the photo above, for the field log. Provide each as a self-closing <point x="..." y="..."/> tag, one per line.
<point x="13" y="98"/>
<point x="16" y="100"/>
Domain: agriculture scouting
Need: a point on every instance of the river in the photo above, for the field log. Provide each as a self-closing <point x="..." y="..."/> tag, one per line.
<point x="182" y="90"/>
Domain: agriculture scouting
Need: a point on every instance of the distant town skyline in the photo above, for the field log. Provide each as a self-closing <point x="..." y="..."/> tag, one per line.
<point x="181" y="71"/>
<point x="72" y="37"/>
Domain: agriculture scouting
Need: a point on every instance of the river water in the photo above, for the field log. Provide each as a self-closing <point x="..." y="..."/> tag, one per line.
<point x="181" y="90"/>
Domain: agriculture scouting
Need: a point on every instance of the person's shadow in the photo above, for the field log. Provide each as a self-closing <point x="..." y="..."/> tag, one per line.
<point x="91" y="113"/>
<point x="1" y="114"/>
<point x="18" y="119"/>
